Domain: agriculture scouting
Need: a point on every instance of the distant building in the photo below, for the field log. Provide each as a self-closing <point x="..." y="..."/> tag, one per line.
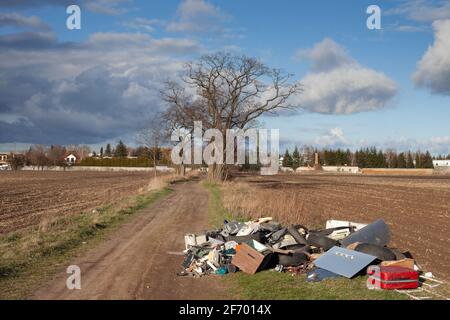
<point x="341" y="169"/>
<point x="441" y="163"/>
<point x="71" y="159"/>
<point x="338" y="169"/>
<point x="3" y="158"/>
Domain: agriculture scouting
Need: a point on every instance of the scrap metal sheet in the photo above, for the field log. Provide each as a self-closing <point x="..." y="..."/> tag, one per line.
<point x="344" y="262"/>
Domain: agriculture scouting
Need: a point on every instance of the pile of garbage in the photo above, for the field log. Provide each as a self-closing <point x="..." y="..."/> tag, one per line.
<point x="341" y="249"/>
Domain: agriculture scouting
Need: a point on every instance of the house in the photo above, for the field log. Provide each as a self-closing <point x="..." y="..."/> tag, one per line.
<point x="3" y="158"/>
<point x="441" y="163"/>
<point x="70" y="159"/>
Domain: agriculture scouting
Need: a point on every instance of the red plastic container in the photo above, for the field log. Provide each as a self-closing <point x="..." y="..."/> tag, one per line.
<point x="391" y="278"/>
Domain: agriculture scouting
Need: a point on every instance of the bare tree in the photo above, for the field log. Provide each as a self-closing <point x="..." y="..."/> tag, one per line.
<point x="226" y="91"/>
<point x="152" y="137"/>
<point x="56" y="155"/>
<point x="37" y="156"/>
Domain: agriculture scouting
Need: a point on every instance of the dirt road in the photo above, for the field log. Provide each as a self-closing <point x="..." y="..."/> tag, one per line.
<point x="135" y="263"/>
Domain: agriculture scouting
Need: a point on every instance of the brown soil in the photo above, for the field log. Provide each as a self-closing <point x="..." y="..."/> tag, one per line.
<point x="27" y="197"/>
<point x="417" y="209"/>
<point x="138" y="261"/>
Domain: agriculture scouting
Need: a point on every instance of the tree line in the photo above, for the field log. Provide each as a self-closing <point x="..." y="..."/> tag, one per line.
<point x="364" y="158"/>
<point x="46" y="156"/>
<point x="51" y="156"/>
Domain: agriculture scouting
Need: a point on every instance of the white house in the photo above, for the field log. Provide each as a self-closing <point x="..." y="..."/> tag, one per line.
<point x="441" y="163"/>
<point x="71" y="159"/>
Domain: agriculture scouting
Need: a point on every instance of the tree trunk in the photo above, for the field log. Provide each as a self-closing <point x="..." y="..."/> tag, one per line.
<point x="154" y="165"/>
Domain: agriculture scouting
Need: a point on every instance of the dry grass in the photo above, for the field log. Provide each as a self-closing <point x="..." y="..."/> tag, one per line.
<point x="284" y="205"/>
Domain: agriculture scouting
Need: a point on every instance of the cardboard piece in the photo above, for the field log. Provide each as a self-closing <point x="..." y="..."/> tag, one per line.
<point x="251" y="257"/>
<point x="344" y="262"/>
<point x="404" y="263"/>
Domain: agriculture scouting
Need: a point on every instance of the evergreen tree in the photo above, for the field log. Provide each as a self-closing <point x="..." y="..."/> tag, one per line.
<point x="362" y="158"/>
<point x="296" y="159"/>
<point x="418" y="160"/>
<point x="121" y="150"/>
<point x="348" y="157"/>
<point x="401" y="161"/>
<point x="428" y="161"/>
<point x="287" y="159"/>
<point x="381" y="160"/>
<point x="409" y="160"/>
<point x="394" y="161"/>
<point x="101" y="152"/>
<point x="108" y="151"/>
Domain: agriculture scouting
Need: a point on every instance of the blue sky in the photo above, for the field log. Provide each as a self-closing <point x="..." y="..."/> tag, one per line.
<point x="388" y="87"/>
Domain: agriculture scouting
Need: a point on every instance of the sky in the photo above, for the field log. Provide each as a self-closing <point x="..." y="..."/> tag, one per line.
<point x="388" y="88"/>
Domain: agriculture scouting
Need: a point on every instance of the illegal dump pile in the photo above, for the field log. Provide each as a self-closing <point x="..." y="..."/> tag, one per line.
<point x="342" y="249"/>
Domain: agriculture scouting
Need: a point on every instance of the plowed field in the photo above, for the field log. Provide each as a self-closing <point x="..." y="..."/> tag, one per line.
<point x="27" y="197"/>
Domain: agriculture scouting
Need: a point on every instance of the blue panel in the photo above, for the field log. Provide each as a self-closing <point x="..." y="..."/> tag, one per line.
<point x="344" y="262"/>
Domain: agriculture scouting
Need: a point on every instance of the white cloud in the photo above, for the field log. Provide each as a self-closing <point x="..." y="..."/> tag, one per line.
<point x="143" y="24"/>
<point x="338" y="84"/>
<point x="325" y="56"/>
<point x="197" y="16"/>
<point x="334" y="138"/>
<point x="409" y="28"/>
<point x="421" y="11"/>
<point x="21" y="21"/>
<point x="436" y="145"/>
<point x="433" y="70"/>
<point x="95" y="90"/>
<point x="108" y="7"/>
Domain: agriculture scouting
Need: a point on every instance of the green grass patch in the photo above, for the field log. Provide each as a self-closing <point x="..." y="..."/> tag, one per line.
<point x="216" y="211"/>
<point x="270" y="285"/>
<point x="30" y="256"/>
